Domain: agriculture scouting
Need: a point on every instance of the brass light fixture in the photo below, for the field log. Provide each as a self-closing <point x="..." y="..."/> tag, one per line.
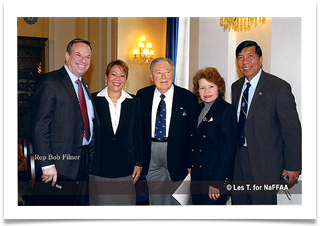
<point x="240" y="24"/>
<point x="145" y="53"/>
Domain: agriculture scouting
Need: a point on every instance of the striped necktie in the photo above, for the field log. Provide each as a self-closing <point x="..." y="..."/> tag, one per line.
<point x="243" y="116"/>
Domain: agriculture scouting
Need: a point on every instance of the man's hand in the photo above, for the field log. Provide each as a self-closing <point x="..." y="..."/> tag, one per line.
<point x="136" y="173"/>
<point x="293" y="176"/>
<point x="49" y="174"/>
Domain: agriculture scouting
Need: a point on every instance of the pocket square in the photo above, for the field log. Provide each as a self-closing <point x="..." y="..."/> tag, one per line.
<point x="211" y="119"/>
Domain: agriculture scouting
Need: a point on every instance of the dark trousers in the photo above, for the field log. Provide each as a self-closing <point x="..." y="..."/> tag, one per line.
<point x="83" y="176"/>
<point x="242" y="177"/>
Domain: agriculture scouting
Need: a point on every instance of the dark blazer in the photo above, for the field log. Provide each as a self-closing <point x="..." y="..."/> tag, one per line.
<point x="56" y="122"/>
<point x="272" y="129"/>
<point x="215" y="144"/>
<point x="182" y="126"/>
<point x="117" y="154"/>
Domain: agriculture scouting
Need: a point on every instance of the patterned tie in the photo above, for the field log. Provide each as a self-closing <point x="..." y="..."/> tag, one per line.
<point x="160" y="131"/>
<point x="243" y="116"/>
<point x="83" y="108"/>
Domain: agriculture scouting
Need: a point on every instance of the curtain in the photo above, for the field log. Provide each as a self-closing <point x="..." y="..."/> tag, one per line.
<point x="172" y="40"/>
<point x="182" y="61"/>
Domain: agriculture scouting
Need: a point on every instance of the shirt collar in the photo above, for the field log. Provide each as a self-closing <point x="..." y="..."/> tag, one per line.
<point x="71" y="75"/>
<point x="254" y="81"/>
<point x="167" y="94"/>
<point x="104" y="93"/>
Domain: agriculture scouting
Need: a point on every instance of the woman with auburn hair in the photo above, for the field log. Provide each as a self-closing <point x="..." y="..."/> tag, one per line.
<point x="214" y="141"/>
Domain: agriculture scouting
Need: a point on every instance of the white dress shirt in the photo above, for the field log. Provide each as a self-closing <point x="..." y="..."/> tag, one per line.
<point x="114" y="112"/>
<point x="155" y="103"/>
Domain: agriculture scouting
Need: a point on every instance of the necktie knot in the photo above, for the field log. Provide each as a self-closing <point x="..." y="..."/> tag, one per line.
<point x="248" y="85"/>
<point x="162" y="96"/>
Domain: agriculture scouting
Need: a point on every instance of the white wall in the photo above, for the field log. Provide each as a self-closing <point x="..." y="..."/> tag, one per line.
<point x="286" y="53"/>
<point x="279" y="38"/>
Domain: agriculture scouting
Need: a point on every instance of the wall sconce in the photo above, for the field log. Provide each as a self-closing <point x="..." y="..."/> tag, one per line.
<point x="145" y="53"/>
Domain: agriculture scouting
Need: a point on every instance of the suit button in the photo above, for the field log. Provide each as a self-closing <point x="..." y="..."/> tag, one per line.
<point x="192" y="166"/>
<point x="192" y="149"/>
<point x="200" y="166"/>
<point x="191" y="134"/>
<point x="200" y="150"/>
<point x="204" y="136"/>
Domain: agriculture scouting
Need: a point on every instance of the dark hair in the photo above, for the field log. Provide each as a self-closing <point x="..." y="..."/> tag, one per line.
<point x="123" y="66"/>
<point x="77" y="40"/>
<point x="210" y="74"/>
<point x="160" y="59"/>
<point x="246" y="44"/>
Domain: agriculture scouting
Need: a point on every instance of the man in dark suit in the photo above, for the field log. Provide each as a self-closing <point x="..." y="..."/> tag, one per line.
<point x="270" y="146"/>
<point x="62" y="126"/>
<point x="166" y="159"/>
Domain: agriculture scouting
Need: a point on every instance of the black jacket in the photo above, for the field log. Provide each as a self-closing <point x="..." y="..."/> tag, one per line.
<point x="115" y="155"/>
<point x="180" y="131"/>
<point x="215" y="144"/>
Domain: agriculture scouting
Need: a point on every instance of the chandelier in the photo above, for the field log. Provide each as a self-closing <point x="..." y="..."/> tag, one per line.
<point x="145" y="53"/>
<point x="240" y="24"/>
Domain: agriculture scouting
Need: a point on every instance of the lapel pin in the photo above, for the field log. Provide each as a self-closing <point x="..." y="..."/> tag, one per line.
<point x="184" y="113"/>
<point x="260" y="93"/>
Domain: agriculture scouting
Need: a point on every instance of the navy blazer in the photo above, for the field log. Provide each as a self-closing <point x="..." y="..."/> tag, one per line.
<point x="215" y="144"/>
<point x="272" y="129"/>
<point x="115" y="155"/>
<point x="56" y="122"/>
<point x="182" y="126"/>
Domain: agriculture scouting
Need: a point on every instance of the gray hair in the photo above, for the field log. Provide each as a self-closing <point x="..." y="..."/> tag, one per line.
<point x="161" y="59"/>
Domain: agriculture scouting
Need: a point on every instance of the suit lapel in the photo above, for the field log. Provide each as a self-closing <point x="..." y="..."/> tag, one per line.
<point x="177" y="110"/>
<point x="65" y="79"/>
<point x="213" y="112"/>
<point x="237" y="92"/>
<point x="125" y="114"/>
<point x="147" y="108"/>
<point x="103" y="110"/>
<point x="87" y="88"/>
<point x="256" y="100"/>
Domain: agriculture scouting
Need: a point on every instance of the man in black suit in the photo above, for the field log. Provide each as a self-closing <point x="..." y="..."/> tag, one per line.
<point x="166" y="160"/>
<point x="271" y="145"/>
<point x="62" y="138"/>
